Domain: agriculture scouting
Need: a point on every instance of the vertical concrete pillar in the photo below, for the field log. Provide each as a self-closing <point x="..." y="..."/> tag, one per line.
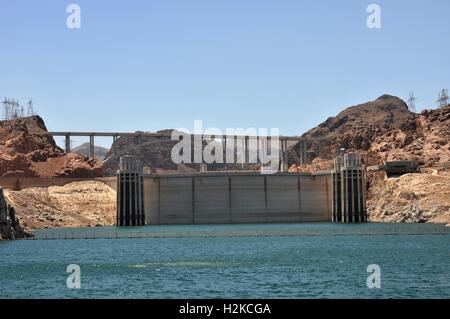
<point x="283" y="155"/>
<point x="280" y="165"/>
<point x="286" y="160"/>
<point x="67" y="143"/>
<point x="114" y="144"/>
<point x="224" y="148"/>
<point x="130" y="184"/>
<point x="348" y="190"/>
<point x="363" y="196"/>
<point x="246" y="151"/>
<point x="91" y="146"/>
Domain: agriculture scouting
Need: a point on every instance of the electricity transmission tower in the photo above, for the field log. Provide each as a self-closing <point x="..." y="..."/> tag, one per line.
<point x="13" y="110"/>
<point x="30" y="111"/>
<point x="443" y="98"/>
<point x="412" y="102"/>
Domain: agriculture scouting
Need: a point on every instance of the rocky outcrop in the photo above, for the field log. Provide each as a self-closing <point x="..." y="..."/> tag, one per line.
<point x="99" y="152"/>
<point x="26" y="149"/>
<point x="409" y="198"/>
<point x="10" y="227"/>
<point x="385" y="130"/>
<point x="77" y="204"/>
<point x="426" y="141"/>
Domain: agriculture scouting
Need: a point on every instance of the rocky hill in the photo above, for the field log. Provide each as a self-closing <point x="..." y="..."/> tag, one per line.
<point x="383" y="129"/>
<point x="83" y="149"/>
<point x="26" y="149"/>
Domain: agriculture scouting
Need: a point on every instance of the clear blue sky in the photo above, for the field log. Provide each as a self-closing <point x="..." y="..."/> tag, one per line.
<point x="149" y="65"/>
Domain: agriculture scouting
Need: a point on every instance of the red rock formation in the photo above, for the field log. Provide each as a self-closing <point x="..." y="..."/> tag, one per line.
<point x="383" y="129"/>
<point x="26" y="149"/>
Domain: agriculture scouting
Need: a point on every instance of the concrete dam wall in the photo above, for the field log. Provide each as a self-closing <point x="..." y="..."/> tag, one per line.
<point x="231" y="197"/>
<point x="241" y="197"/>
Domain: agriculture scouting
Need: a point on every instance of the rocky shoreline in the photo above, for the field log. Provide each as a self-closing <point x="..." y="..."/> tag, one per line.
<point x="410" y="198"/>
<point x="10" y="227"/>
<point x="76" y="204"/>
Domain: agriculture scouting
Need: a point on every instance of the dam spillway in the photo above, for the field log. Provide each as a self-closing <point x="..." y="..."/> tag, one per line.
<point x="241" y="197"/>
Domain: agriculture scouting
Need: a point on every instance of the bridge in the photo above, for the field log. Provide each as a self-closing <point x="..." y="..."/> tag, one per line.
<point x="139" y="135"/>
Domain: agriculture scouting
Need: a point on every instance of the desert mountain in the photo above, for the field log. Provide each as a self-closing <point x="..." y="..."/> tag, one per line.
<point x="384" y="129"/>
<point x="83" y="149"/>
<point x="26" y="149"/>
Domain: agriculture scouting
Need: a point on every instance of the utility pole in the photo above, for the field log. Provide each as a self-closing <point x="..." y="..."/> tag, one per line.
<point x="412" y="102"/>
<point x="13" y="110"/>
<point x="443" y="98"/>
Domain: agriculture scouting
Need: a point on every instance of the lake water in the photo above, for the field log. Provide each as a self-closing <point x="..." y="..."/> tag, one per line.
<point x="231" y="261"/>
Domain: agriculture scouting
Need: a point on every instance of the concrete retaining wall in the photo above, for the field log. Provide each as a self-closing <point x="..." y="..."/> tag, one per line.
<point x="237" y="198"/>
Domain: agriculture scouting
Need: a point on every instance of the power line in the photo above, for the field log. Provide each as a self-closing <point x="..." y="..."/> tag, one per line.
<point x="13" y="110"/>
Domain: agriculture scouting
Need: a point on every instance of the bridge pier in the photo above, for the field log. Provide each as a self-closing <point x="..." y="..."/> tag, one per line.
<point x="91" y="146"/>
<point x="114" y="144"/>
<point x="67" y="143"/>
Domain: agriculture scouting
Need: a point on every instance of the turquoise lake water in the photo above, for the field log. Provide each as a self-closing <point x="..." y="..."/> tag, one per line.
<point x="231" y="261"/>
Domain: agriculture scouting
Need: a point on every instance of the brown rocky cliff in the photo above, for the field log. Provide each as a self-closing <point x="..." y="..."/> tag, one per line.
<point x="77" y="204"/>
<point x="383" y="129"/>
<point x="412" y="198"/>
<point x="26" y="149"/>
<point x="426" y="141"/>
<point x="10" y="227"/>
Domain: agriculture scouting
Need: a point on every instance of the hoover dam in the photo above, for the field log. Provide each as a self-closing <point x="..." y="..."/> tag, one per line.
<point x="240" y="197"/>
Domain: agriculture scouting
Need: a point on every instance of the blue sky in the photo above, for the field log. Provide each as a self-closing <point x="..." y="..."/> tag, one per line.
<point x="149" y="65"/>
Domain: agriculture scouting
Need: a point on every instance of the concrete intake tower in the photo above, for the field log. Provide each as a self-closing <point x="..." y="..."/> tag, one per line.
<point x="130" y="193"/>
